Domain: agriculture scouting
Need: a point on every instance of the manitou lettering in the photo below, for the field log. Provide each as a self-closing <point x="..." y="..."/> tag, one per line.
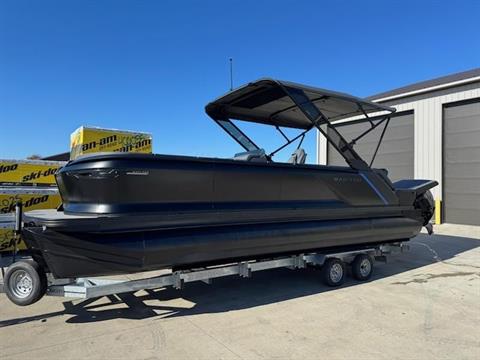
<point x="39" y="174"/>
<point x="7" y="168"/>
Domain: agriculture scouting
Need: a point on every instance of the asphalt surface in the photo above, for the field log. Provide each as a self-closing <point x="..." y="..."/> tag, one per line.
<point x="424" y="304"/>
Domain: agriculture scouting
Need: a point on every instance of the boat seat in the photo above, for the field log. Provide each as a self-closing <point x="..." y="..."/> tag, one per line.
<point x="253" y="155"/>
<point x="298" y="157"/>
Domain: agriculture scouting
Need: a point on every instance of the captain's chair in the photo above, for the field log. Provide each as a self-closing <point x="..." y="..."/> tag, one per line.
<point x="253" y="155"/>
<point x="298" y="157"/>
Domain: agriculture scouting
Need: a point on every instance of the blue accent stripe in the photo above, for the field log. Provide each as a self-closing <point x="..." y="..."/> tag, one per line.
<point x="374" y="188"/>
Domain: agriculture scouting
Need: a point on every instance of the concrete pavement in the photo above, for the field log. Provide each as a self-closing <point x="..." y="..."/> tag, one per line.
<point x="423" y="304"/>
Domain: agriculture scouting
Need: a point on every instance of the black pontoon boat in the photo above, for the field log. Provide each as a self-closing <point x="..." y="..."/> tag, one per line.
<point x="127" y="213"/>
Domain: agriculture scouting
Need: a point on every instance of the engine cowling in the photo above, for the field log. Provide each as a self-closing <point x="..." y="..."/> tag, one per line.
<point x="426" y="205"/>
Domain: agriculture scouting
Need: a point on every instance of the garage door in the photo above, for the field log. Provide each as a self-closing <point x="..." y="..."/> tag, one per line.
<point x="395" y="153"/>
<point x="461" y="163"/>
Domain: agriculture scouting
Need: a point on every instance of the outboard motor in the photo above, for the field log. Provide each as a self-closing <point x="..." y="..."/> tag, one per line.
<point x="418" y="192"/>
<point x="426" y="205"/>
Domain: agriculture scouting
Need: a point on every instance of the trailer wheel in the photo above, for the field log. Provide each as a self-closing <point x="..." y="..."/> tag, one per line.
<point x="334" y="272"/>
<point x="362" y="267"/>
<point x="25" y="282"/>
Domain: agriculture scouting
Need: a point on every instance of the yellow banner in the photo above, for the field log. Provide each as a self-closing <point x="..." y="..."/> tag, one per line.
<point x="88" y="140"/>
<point x="29" y="171"/>
<point x="8" y="239"/>
<point x="31" y="198"/>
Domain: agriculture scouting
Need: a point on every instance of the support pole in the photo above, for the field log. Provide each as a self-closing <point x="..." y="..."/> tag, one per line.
<point x="18" y="226"/>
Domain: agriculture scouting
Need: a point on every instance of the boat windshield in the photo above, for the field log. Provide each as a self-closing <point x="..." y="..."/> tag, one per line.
<point x="238" y="135"/>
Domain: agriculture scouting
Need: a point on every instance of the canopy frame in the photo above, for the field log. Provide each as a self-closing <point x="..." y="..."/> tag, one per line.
<point x="222" y="112"/>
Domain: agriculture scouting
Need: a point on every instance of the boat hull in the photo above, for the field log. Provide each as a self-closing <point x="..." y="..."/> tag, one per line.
<point x="144" y="183"/>
<point x="126" y="213"/>
<point x="76" y="254"/>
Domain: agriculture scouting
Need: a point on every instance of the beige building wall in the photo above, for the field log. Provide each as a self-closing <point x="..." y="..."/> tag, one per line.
<point x="428" y="115"/>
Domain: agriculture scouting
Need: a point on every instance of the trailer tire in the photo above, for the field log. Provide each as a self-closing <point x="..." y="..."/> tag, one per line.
<point x="362" y="267"/>
<point x="25" y="282"/>
<point x="333" y="272"/>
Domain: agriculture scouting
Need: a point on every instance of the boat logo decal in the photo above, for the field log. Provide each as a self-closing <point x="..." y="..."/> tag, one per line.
<point x="95" y="174"/>
<point x="343" y="179"/>
<point x="138" y="172"/>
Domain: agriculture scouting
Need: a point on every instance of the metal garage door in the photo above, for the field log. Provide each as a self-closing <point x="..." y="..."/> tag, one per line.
<point x="461" y="163"/>
<point x="395" y="153"/>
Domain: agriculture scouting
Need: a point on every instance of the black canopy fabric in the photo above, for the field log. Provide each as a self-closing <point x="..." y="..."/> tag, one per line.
<point x="274" y="102"/>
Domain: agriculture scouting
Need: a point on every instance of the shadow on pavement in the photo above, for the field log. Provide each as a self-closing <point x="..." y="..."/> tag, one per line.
<point x="235" y="293"/>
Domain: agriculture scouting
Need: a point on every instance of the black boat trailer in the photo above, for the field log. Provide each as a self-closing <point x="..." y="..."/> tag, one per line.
<point x="333" y="270"/>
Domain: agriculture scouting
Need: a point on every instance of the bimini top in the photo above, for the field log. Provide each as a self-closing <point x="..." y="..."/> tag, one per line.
<point x="286" y="104"/>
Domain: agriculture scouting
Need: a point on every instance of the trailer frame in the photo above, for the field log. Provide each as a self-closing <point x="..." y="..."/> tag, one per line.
<point x="87" y="288"/>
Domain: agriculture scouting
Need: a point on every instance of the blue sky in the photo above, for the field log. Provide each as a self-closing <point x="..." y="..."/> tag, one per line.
<point x="153" y="65"/>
